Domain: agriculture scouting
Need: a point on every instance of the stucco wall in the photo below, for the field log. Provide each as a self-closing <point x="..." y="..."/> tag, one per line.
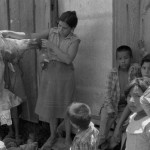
<point x="94" y="58"/>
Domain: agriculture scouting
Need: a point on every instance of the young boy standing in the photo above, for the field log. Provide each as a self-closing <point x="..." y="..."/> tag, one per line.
<point x="87" y="135"/>
<point x="115" y="100"/>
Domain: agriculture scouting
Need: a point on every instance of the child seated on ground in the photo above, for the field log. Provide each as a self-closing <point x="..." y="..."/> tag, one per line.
<point x="138" y="130"/>
<point x="145" y="72"/>
<point x="115" y="100"/>
<point x="87" y="135"/>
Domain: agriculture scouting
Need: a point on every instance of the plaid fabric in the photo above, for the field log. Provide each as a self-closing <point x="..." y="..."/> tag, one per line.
<point x="86" y="140"/>
<point x="112" y="95"/>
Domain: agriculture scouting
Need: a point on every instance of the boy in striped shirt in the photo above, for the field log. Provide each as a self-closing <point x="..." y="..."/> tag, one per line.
<point x="87" y="135"/>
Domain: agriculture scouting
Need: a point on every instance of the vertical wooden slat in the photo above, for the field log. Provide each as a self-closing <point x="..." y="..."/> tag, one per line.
<point x="145" y="23"/>
<point x="54" y="12"/>
<point x="42" y="22"/>
<point x="42" y="15"/>
<point x="26" y="15"/>
<point x="119" y="25"/>
<point x="29" y="59"/>
<point x="126" y="19"/>
<point x="22" y="19"/>
<point x="134" y="26"/>
<point x="14" y="11"/>
<point x="3" y="15"/>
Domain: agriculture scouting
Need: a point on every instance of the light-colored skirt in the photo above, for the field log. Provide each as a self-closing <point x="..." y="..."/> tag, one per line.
<point x="56" y="90"/>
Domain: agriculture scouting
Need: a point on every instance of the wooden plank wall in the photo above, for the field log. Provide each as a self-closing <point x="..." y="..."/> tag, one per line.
<point x="21" y="15"/>
<point x="126" y="25"/>
<point x="28" y="16"/>
<point x="145" y="23"/>
<point x="42" y="22"/>
<point x="3" y="14"/>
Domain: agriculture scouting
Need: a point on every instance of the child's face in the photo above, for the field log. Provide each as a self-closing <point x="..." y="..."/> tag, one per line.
<point x="145" y="69"/>
<point x="123" y="59"/>
<point x="133" y="99"/>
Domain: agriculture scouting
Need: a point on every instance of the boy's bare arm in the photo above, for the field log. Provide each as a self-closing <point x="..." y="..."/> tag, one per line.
<point x="116" y="138"/>
<point x="123" y="117"/>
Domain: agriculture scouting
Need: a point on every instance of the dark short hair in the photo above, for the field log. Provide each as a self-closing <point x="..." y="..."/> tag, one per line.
<point x="142" y="83"/>
<point x="145" y="59"/>
<point x="124" y="48"/>
<point x="80" y="115"/>
<point x="70" y="18"/>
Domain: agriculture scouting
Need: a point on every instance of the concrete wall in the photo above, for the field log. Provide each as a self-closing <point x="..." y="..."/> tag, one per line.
<point x="94" y="58"/>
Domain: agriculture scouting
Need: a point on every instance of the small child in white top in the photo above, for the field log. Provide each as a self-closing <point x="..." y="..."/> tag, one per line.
<point x="138" y="130"/>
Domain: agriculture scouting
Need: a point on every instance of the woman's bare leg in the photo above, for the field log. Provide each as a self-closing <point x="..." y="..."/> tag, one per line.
<point x="53" y="127"/>
<point x="68" y="132"/>
<point x="50" y="141"/>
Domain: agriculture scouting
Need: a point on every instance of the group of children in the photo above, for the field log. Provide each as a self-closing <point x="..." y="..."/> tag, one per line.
<point x="125" y="96"/>
<point x="116" y="108"/>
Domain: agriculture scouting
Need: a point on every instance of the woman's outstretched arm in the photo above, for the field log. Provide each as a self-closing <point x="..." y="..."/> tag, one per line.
<point x="23" y="35"/>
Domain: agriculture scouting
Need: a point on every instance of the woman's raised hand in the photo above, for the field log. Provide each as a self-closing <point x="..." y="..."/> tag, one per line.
<point x="33" y="43"/>
<point x="48" y="44"/>
<point x="45" y="43"/>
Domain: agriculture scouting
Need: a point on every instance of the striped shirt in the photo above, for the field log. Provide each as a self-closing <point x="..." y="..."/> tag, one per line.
<point x="112" y="95"/>
<point x="86" y="140"/>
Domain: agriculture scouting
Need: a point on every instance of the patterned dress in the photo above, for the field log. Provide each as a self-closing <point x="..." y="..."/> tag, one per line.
<point x="57" y="84"/>
<point x="9" y="48"/>
<point x="138" y="134"/>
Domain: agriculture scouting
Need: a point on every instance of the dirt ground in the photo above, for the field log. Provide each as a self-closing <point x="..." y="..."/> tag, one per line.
<point x="39" y="130"/>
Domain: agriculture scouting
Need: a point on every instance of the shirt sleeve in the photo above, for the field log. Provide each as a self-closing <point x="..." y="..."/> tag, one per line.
<point x="134" y="71"/>
<point x="108" y="92"/>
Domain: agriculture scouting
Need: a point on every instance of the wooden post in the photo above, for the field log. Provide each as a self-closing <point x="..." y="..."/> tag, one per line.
<point x="4" y="22"/>
<point x="126" y="25"/>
